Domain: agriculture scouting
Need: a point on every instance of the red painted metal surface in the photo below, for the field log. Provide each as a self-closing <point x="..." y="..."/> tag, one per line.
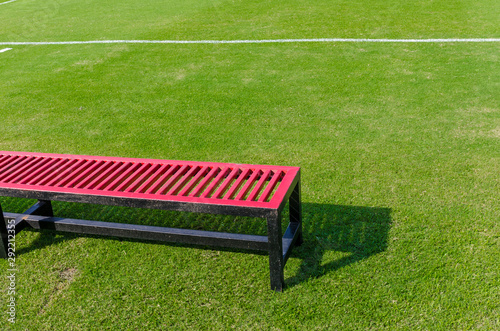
<point x="183" y="181"/>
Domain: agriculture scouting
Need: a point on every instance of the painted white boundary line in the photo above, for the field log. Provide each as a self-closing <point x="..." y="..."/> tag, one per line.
<point x="5" y="50"/>
<point x="264" y="41"/>
<point x="6" y="2"/>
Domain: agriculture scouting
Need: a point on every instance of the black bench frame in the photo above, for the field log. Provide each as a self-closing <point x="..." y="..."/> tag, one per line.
<point x="279" y="246"/>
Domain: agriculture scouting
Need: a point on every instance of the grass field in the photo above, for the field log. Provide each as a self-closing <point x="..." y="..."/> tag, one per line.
<point x="399" y="145"/>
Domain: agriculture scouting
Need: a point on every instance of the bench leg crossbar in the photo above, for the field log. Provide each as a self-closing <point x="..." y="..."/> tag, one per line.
<point x="40" y="216"/>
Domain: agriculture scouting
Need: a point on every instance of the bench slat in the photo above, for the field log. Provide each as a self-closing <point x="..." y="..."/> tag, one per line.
<point x="236" y="185"/>
<point x="13" y="169"/>
<point x="8" y="162"/>
<point x="126" y="169"/>
<point x="65" y="172"/>
<point x="84" y="183"/>
<point x="183" y="180"/>
<point x="165" y="187"/>
<point x="45" y="171"/>
<point x="157" y="184"/>
<point x="103" y="174"/>
<point x="4" y="159"/>
<point x="247" y="185"/>
<point x="17" y="170"/>
<point x="143" y="181"/>
<point x="256" y="190"/>
<point x="86" y="169"/>
<point x="215" y="182"/>
<point x="204" y="182"/>
<point x="29" y="173"/>
<point x="270" y="187"/>
<point x="58" y="172"/>
<point x="225" y="183"/>
<point x="203" y="171"/>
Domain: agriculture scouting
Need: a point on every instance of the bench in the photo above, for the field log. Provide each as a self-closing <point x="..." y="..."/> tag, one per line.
<point x="201" y="187"/>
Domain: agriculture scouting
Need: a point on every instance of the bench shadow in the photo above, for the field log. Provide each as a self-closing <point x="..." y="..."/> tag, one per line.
<point x="348" y="233"/>
<point x="45" y="239"/>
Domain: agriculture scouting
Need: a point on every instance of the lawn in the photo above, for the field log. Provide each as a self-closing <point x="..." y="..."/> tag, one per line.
<point x="398" y="144"/>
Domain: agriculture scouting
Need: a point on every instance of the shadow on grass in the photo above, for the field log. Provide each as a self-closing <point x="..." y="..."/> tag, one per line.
<point x="358" y="232"/>
<point x="354" y="232"/>
<point x="45" y="239"/>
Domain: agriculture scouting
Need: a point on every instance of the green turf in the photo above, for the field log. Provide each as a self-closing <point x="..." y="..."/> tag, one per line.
<point x="51" y="20"/>
<point x="399" y="146"/>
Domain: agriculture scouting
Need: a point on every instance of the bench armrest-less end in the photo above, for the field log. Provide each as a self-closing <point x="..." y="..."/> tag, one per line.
<point x="203" y="187"/>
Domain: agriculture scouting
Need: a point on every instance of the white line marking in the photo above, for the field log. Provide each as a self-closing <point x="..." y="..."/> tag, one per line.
<point x="4" y="3"/>
<point x="264" y="41"/>
<point x="5" y="50"/>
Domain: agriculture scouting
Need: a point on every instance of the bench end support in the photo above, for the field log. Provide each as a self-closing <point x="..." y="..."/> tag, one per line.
<point x="4" y="241"/>
<point x="276" y="262"/>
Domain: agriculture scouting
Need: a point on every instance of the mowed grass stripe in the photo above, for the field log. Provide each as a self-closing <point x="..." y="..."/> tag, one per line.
<point x="54" y="20"/>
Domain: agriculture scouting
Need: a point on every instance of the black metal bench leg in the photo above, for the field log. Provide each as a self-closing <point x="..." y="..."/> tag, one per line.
<point x="41" y="208"/>
<point x="276" y="263"/>
<point x="3" y="236"/>
<point x="295" y="207"/>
